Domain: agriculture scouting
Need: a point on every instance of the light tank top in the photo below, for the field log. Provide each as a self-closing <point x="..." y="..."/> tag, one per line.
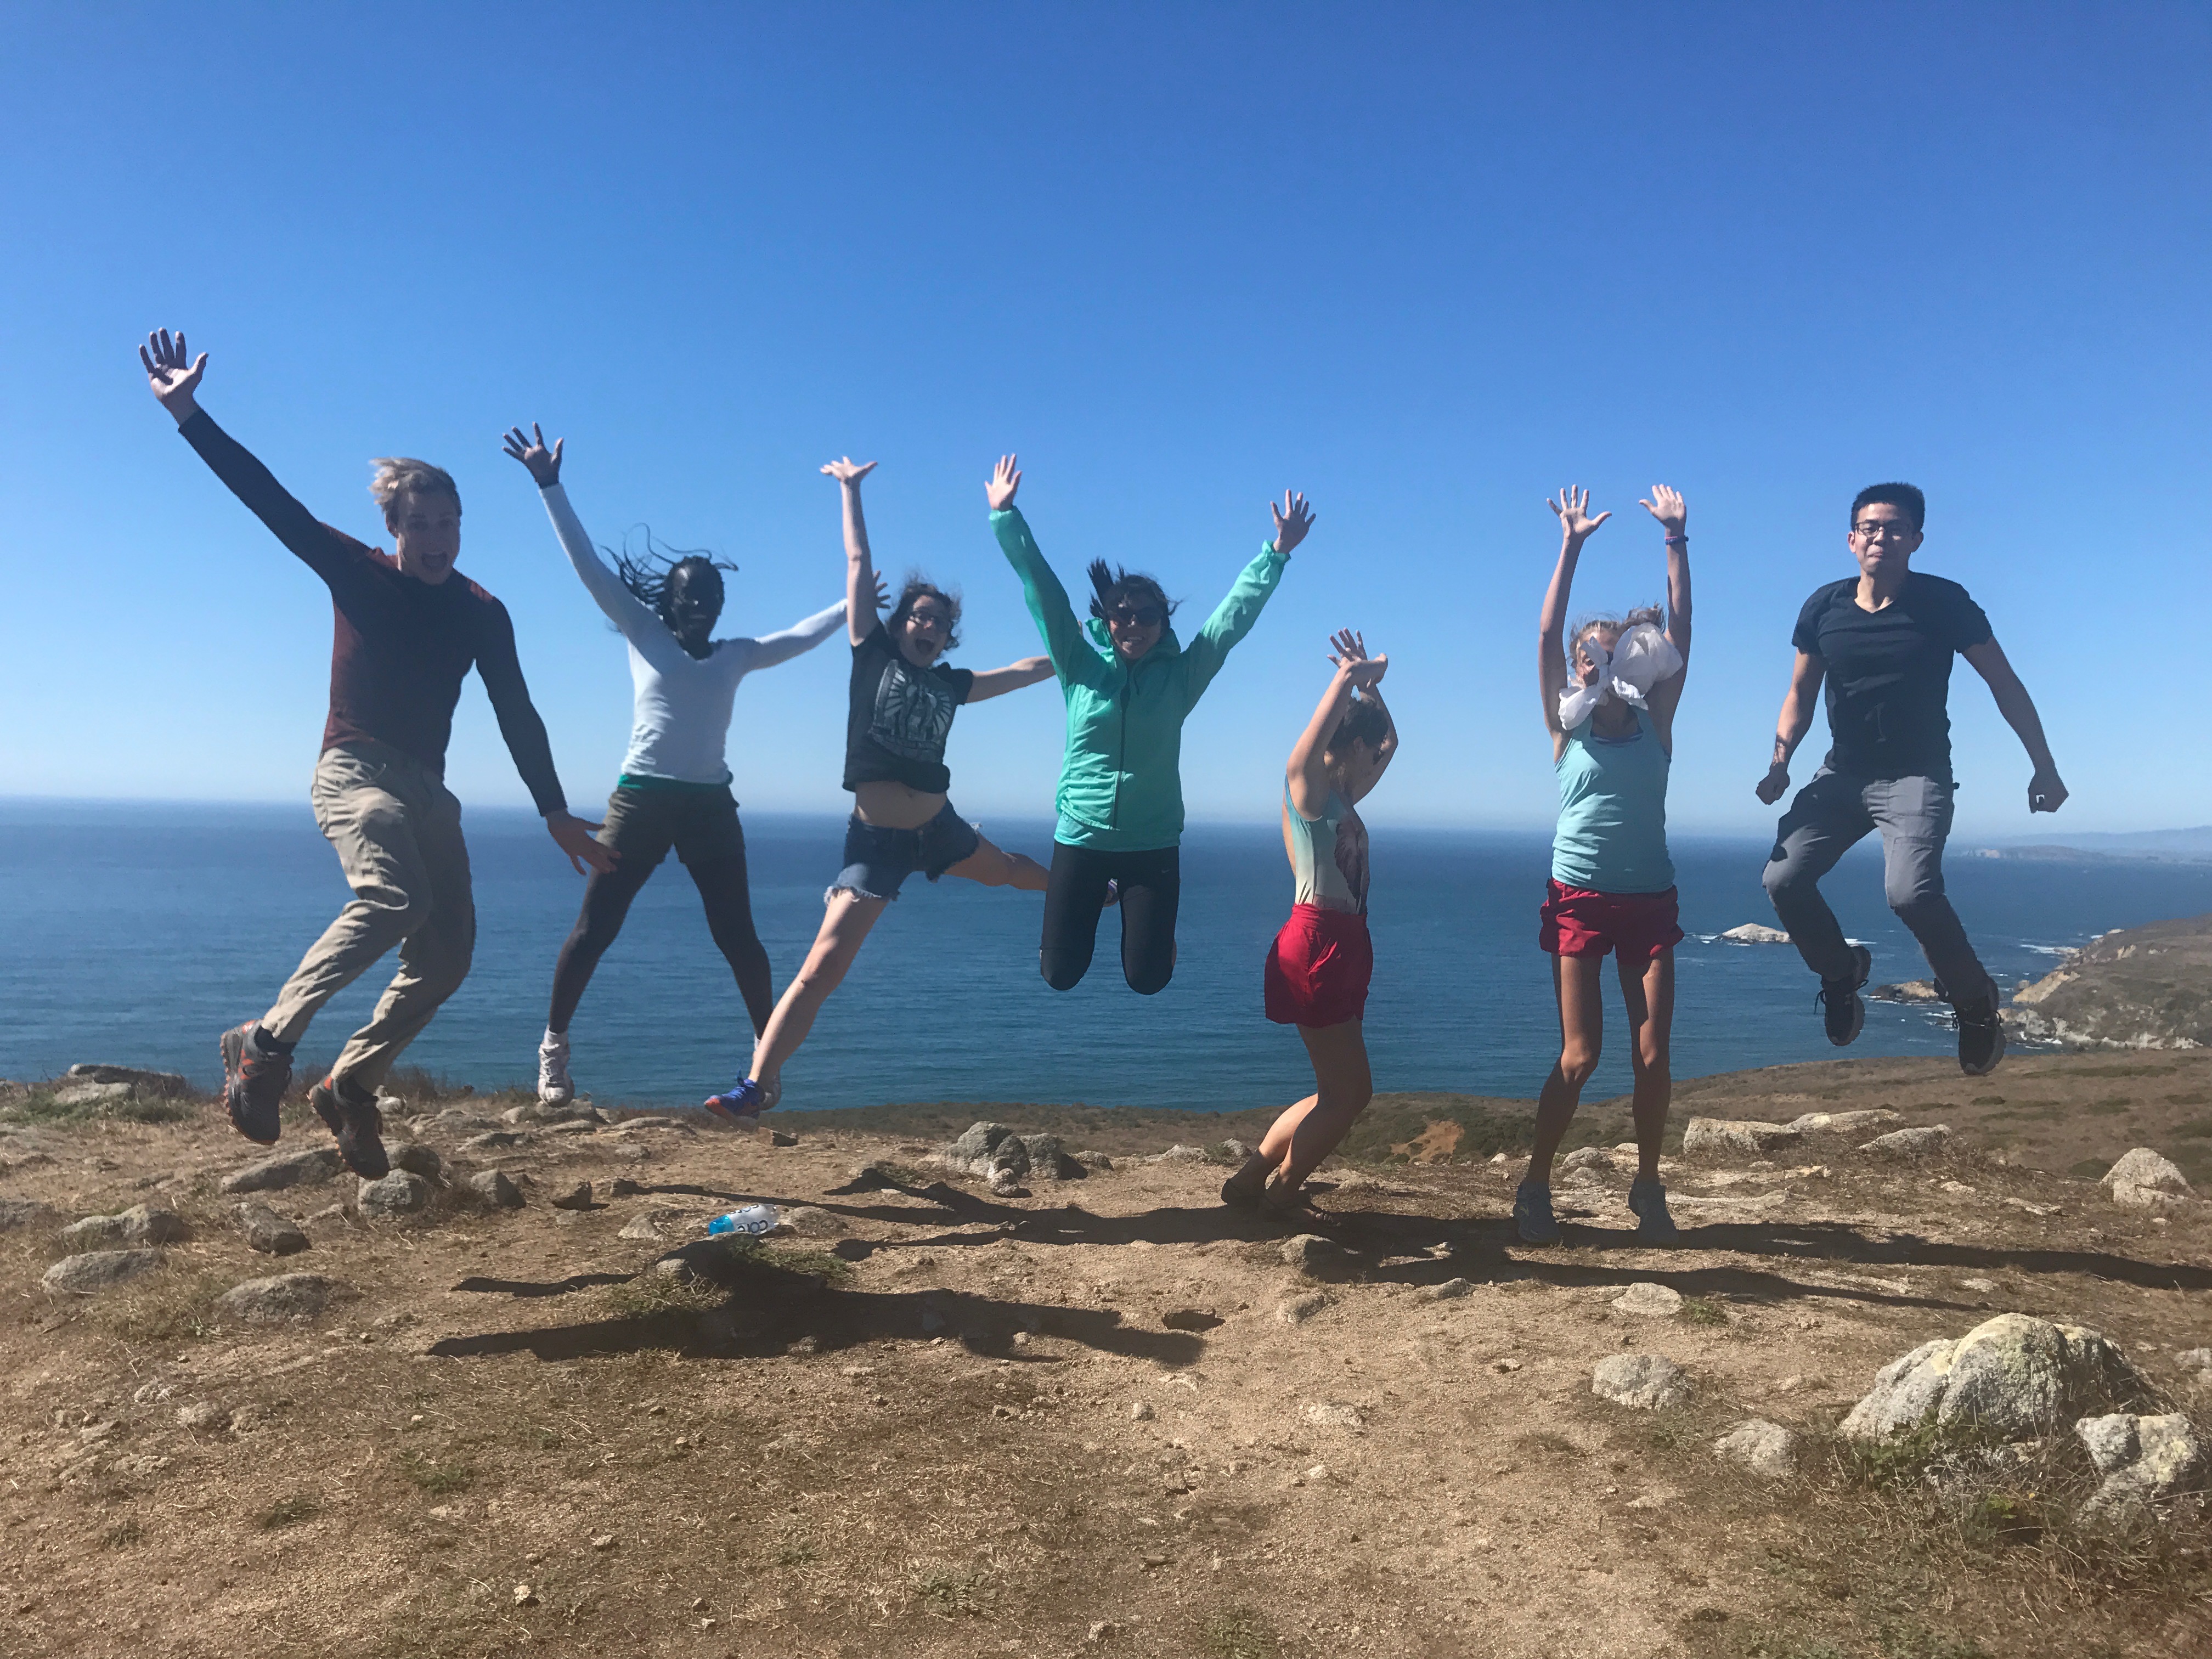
<point x="1328" y="855"/>
<point x="1612" y="837"/>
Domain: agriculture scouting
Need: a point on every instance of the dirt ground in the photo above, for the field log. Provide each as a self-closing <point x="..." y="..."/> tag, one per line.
<point x="1103" y="1418"/>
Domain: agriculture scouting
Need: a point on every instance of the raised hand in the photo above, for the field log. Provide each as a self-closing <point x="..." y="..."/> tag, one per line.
<point x="1573" y="510"/>
<point x="1348" y="651"/>
<point x="171" y="372"/>
<point x="1292" y="520"/>
<point x="544" y="463"/>
<point x="1666" y="506"/>
<point x="848" y="471"/>
<point x="1005" y="479"/>
<point x="883" y="593"/>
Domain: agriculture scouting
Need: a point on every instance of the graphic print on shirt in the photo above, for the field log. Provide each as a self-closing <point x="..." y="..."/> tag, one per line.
<point x="1351" y="856"/>
<point x="912" y="714"/>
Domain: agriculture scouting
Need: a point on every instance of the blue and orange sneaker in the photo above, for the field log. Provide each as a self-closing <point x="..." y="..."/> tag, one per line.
<point x="253" y="1084"/>
<point x="741" y="1104"/>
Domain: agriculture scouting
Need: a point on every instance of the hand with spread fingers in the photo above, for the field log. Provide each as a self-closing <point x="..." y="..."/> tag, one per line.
<point x="1666" y="505"/>
<point x="543" y="464"/>
<point x="1348" y="651"/>
<point x="1572" y="509"/>
<point x="172" y="374"/>
<point x="1292" y="520"/>
<point x="1005" y="479"/>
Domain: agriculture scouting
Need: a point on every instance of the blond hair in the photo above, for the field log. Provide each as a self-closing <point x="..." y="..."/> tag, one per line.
<point x="403" y="474"/>
<point x="1615" y="626"/>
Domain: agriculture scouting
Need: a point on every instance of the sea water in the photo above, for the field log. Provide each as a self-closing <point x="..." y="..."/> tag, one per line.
<point x="136" y="933"/>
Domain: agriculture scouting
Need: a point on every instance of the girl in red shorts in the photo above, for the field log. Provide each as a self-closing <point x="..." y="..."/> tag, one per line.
<point x="1319" y="965"/>
<point x="1609" y="697"/>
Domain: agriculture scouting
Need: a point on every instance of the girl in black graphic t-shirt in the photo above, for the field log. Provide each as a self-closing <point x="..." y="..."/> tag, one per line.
<point x="902" y="702"/>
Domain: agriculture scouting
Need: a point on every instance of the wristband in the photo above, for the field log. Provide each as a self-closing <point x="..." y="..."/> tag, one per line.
<point x="1677" y="541"/>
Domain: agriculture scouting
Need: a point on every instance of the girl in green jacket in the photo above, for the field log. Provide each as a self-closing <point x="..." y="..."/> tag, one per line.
<point x="1129" y="684"/>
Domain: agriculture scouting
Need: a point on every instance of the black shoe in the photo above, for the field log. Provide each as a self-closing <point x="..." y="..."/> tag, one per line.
<point x="1840" y="1001"/>
<point x="1981" y="1036"/>
<point x="359" y="1129"/>
<point x="253" y="1084"/>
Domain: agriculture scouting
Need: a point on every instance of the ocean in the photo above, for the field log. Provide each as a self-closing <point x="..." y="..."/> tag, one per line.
<point x="134" y="933"/>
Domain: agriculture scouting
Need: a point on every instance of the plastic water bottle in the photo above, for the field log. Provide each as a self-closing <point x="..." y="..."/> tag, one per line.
<point x="750" y="1222"/>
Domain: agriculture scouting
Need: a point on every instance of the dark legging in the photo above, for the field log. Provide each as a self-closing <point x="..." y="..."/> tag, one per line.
<point x="728" y="898"/>
<point x="1150" y="884"/>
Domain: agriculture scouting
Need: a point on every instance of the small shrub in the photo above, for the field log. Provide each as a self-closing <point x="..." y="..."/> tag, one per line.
<point x="1702" y="1310"/>
<point x="434" y="1478"/>
<point x="1238" y="1633"/>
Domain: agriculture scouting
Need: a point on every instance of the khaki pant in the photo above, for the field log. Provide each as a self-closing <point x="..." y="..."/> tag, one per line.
<point x="396" y="830"/>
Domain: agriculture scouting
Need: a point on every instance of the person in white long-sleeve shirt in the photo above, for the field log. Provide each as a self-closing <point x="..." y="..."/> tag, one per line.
<point x="674" y="790"/>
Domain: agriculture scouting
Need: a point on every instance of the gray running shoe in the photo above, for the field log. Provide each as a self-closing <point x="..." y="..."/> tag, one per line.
<point x="1647" y="1198"/>
<point x="1532" y="1215"/>
<point x="359" y="1129"/>
<point x="1840" y="1002"/>
<point x="1981" y="1036"/>
<point x="253" y="1084"/>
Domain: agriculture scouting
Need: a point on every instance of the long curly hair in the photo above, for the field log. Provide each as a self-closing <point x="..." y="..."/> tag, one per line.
<point x="648" y="574"/>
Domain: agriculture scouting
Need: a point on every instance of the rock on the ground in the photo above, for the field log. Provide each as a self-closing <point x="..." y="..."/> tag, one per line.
<point x="92" y="1094"/>
<point x="782" y="1137"/>
<point x="95" y="1270"/>
<point x="1094" y="1160"/>
<point x="1181" y="1153"/>
<point x="422" y="1160"/>
<point x="1756" y="932"/>
<point x="401" y="1193"/>
<point x="538" y="1111"/>
<point x="1450" y="1291"/>
<point x="1650" y="1300"/>
<point x="167" y="1083"/>
<point x="1237" y="1151"/>
<point x="1916" y="1142"/>
<point x="269" y="1230"/>
<point x="22" y="1212"/>
<point x="1297" y="1309"/>
<point x="608" y="1188"/>
<point x="645" y="1226"/>
<point x="202" y="1416"/>
<point x="2014" y="1374"/>
<point x="1762" y="1447"/>
<point x="492" y="1188"/>
<point x="136" y="1225"/>
<point x="492" y="1140"/>
<point x="977" y="1148"/>
<point x="1318" y="1257"/>
<point x="1048" y="1157"/>
<point x="2143" y="1459"/>
<point x="2145" y="1180"/>
<point x="310" y="1168"/>
<point x="578" y="1197"/>
<point x="1721" y="1137"/>
<point x="1648" y="1382"/>
<point x="282" y="1296"/>
<point x="1594" y="1158"/>
<point x="1844" y="1123"/>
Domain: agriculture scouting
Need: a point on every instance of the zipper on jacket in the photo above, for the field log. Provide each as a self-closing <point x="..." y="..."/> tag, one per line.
<point x="1121" y="756"/>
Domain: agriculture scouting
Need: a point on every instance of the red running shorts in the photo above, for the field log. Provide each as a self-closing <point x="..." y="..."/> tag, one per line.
<point x="1318" y="968"/>
<point x="1576" y="921"/>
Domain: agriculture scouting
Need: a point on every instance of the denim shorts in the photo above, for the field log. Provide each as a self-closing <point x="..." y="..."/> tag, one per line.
<point x="878" y="861"/>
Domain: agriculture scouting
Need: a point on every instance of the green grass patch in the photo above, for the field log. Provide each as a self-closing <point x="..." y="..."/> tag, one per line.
<point x="1236" y="1633"/>
<point x="436" y="1478"/>
<point x="1703" y="1311"/>
<point x="286" y="1511"/>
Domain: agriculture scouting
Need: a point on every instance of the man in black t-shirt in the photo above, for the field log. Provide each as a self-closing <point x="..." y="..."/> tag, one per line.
<point x="1883" y="643"/>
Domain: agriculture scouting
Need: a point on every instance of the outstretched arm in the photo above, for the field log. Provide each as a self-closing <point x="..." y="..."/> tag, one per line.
<point x="173" y="376"/>
<point x="1069" y="653"/>
<point x="637" y="620"/>
<point x="1674" y="515"/>
<point x="1307" y="773"/>
<point x="1576" y="525"/>
<point x="770" y="649"/>
<point x="2045" y="793"/>
<point x="521" y="725"/>
<point x="860" y="590"/>
<point x="997" y="681"/>
<point x="1796" y="719"/>
<point x="1232" y="619"/>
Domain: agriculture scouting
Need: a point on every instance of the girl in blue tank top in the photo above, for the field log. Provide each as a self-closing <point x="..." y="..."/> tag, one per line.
<point x="1609" y="697"/>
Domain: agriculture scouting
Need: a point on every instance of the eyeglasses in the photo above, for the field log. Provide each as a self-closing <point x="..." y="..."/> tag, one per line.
<point x="1874" y="530"/>
<point x="1140" y="616"/>
<point x="925" y="619"/>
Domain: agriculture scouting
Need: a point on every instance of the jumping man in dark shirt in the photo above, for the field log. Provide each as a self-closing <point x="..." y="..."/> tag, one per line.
<point x="404" y="636"/>
<point x="1883" y="643"/>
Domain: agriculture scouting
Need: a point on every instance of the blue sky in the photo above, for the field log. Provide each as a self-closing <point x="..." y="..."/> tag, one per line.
<point x="1425" y="263"/>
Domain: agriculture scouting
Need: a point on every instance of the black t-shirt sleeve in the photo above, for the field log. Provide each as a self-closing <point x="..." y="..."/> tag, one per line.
<point x="1805" y="636"/>
<point x="962" y="681"/>
<point x="1965" y="624"/>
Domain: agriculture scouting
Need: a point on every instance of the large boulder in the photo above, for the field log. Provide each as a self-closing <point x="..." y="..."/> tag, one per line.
<point x="493" y="1187"/>
<point x="1647" y="1381"/>
<point x="285" y="1295"/>
<point x="2015" y="1376"/>
<point x="1721" y="1137"/>
<point x="308" y="1168"/>
<point x="95" y="1270"/>
<point x="163" y="1083"/>
<point x="1916" y="1142"/>
<point x="989" y="1150"/>
<point x="92" y="1094"/>
<point x="1844" y="1123"/>
<point x="401" y="1193"/>
<point x="422" y="1160"/>
<point x="2143" y="1459"/>
<point x="1048" y="1159"/>
<point x="2145" y="1180"/>
<point x="136" y="1225"/>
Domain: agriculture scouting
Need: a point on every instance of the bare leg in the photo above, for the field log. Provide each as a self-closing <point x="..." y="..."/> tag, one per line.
<point x="1582" y="1030"/>
<point x="1650" y="993"/>
<point x="992" y="867"/>
<point x="845" y="926"/>
<point x="1309" y="1132"/>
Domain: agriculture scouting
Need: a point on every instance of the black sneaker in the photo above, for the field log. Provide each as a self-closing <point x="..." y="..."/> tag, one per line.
<point x="1840" y="1002"/>
<point x="1981" y="1036"/>
<point x="359" y="1129"/>
<point x="253" y="1084"/>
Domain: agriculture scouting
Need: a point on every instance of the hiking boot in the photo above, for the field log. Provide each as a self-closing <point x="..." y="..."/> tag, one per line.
<point x="253" y="1084"/>
<point x="1532" y="1215"/>
<point x="1981" y="1036"/>
<point x="1839" y="999"/>
<point x="555" y="1087"/>
<point x="1647" y="1199"/>
<point x="743" y="1102"/>
<point x="1244" y="1189"/>
<point x="359" y="1129"/>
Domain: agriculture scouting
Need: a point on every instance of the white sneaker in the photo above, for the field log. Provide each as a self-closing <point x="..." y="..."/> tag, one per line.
<point x="555" y="1087"/>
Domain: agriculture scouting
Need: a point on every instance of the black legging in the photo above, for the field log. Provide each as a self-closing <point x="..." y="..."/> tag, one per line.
<point x="728" y="897"/>
<point x="1150" y="884"/>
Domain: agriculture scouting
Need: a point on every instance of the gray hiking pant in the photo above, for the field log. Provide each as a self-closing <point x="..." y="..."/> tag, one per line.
<point x="396" y="830"/>
<point x="1832" y="812"/>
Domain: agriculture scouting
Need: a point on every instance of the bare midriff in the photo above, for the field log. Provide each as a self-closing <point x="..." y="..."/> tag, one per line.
<point x="889" y="804"/>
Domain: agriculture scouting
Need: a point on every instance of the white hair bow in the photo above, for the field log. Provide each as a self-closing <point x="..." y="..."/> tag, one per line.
<point x="1639" y="660"/>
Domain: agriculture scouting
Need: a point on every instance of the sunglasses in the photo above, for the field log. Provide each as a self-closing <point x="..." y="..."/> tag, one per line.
<point x="1142" y="615"/>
